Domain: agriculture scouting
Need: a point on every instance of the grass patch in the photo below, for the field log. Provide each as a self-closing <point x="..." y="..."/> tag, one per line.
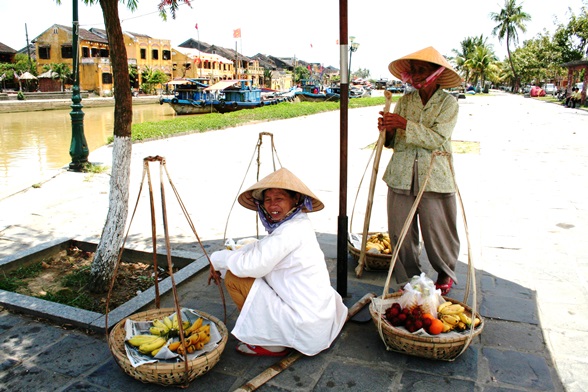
<point x="92" y="168"/>
<point x="215" y="121"/>
<point x="15" y="280"/>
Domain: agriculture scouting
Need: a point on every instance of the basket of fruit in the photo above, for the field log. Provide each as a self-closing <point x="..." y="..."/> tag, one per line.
<point x="443" y="334"/>
<point x="148" y="345"/>
<point x="378" y="250"/>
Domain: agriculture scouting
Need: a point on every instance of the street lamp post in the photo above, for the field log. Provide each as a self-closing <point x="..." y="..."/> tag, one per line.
<point x="78" y="149"/>
<point x="352" y="48"/>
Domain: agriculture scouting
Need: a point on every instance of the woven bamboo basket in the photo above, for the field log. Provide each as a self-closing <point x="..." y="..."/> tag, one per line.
<point x="443" y="347"/>
<point x="373" y="261"/>
<point x="435" y="347"/>
<point x="165" y="373"/>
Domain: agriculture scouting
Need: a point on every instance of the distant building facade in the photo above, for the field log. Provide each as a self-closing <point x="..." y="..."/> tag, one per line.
<point x="192" y="59"/>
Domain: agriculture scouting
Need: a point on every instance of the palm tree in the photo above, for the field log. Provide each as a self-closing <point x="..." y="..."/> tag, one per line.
<point x="480" y="63"/>
<point x="468" y="47"/>
<point x="510" y="19"/>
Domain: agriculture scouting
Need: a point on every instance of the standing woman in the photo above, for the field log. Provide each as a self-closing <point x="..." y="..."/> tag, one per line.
<point x="421" y="124"/>
<point x="281" y="283"/>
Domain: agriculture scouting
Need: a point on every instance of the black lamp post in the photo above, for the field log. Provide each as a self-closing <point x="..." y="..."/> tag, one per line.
<point x="78" y="149"/>
<point x="352" y="48"/>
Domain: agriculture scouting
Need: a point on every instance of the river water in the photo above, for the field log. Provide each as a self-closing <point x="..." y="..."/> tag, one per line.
<point x="34" y="144"/>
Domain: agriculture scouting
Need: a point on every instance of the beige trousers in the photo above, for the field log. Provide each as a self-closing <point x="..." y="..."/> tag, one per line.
<point x="435" y="218"/>
<point x="238" y="288"/>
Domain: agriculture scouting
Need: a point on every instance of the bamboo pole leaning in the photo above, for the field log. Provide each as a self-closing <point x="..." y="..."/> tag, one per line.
<point x="370" y="201"/>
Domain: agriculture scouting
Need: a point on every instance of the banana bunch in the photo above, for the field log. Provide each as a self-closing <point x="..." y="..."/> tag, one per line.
<point x="167" y="327"/>
<point x="378" y="243"/>
<point x="453" y="317"/>
<point x="148" y="344"/>
<point x="195" y="340"/>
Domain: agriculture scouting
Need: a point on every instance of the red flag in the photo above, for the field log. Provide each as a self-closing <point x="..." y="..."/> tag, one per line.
<point x="196" y="26"/>
<point x="311" y="45"/>
<point x="237" y="33"/>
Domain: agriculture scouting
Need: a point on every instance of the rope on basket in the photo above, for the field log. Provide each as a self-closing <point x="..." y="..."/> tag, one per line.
<point x="470" y="281"/>
<point x="370" y="202"/>
<point x="147" y="173"/>
<point x="258" y="160"/>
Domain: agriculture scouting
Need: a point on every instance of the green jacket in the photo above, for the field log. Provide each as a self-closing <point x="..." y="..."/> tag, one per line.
<point x="428" y="129"/>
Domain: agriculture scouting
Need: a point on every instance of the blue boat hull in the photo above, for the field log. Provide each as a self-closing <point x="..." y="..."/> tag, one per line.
<point x="188" y="106"/>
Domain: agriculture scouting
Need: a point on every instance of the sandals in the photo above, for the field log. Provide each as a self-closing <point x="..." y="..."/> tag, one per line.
<point x="445" y="288"/>
<point x="259" y="351"/>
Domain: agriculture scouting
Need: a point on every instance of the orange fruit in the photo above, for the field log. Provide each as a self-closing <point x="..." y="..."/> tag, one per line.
<point x="427" y="316"/>
<point x="436" y="327"/>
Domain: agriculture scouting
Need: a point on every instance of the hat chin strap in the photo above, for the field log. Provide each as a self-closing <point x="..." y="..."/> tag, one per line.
<point x="407" y="78"/>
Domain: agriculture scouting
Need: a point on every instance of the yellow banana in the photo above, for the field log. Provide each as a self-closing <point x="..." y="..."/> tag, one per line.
<point x="447" y="327"/>
<point x="175" y="322"/>
<point x="454" y="309"/>
<point x="167" y="322"/>
<point x="185" y="324"/>
<point x="465" y="319"/>
<point x="195" y="325"/>
<point x="443" y="306"/>
<point x="193" y="339"/>
<point x="161" y="325"/>
<point x="375" y="245"/>
<point x="138" y="340"/>
<point x="156" y="331"/>
<point x="193" y="348"/>
<point x="205" y="327"/>
<point x="147" y="348"/>
<point x="204" y="336"/>
<point x="199" y="345"/>
<point x="154" y="352"/>
<point x="477" y="322"/>
<point x="174" y="346"/>
<point x="461" y="326"/>
<point x="450" y="319"/>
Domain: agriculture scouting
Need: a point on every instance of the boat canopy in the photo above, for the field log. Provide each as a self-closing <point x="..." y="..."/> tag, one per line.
<point x="223" y="84"/>
<point x="187" y="81"/>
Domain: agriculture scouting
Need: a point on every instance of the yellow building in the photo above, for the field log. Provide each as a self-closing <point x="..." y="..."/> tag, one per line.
<point x="54" y="46"/>
<point x="191" y="63"/>
<point x="148" y="53"/>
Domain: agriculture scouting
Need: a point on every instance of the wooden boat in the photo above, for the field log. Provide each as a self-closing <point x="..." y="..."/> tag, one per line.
<point x="189" y="97"/>
<point x="236" y="95"/>
<point x="311" y="92"/>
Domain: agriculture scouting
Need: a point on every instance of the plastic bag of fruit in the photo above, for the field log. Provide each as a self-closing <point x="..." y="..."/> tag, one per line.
<point x="421" y="291"/>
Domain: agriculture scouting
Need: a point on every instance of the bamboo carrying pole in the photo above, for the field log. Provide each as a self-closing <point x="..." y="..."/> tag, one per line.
<point x="284" y="363"/>
<point x="370" y="202"/>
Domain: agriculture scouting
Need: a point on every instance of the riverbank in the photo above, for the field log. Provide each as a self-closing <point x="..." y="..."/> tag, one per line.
<point x="35" y="105"/>
<point x="527" y="247"/>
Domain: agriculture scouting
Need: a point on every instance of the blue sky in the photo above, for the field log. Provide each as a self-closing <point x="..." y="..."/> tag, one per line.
<point x="306" y="29"/>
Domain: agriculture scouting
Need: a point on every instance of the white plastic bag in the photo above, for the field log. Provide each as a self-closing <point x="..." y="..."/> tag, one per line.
<point x="421" y="291"/>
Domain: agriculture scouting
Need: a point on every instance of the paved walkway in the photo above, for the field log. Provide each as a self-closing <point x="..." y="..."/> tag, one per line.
<point x="522" y="182"/>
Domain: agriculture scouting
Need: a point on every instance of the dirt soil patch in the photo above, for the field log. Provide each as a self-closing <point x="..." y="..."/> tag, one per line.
<point x="63" y="278"/>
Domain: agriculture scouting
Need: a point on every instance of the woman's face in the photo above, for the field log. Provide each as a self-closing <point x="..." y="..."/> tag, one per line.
<point x="277" y="202"/>
<point x="421" y="70"/>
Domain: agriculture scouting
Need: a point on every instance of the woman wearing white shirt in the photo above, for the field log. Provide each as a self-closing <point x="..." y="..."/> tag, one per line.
<point x="281" y="283"/>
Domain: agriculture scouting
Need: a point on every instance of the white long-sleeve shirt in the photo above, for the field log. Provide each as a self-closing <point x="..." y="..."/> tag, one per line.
<point x="291" y="302"/>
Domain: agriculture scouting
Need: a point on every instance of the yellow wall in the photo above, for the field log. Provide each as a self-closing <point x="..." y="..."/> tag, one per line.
<point x="95" y="71"/>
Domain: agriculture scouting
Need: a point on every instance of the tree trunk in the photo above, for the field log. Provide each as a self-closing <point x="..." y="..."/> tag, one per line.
<point x="514" y="85"/>
<point x="113" y="233"/>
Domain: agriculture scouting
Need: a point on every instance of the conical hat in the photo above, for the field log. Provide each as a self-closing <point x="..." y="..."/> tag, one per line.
<point x="282" y="179"/>
<point x="448" y="78"/>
